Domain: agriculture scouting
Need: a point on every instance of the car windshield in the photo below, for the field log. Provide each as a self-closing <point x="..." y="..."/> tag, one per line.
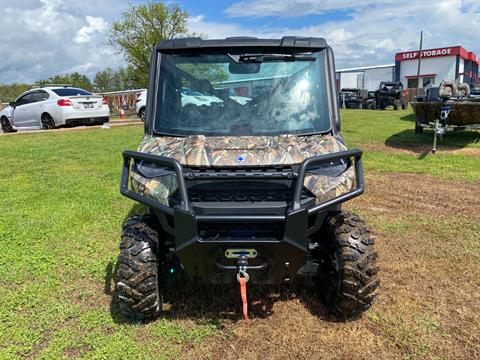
<point x="70" y="92"/>
<point x="253" y="93"/>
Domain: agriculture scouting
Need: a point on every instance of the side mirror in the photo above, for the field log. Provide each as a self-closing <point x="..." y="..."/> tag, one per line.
<point x="12" y="104"/>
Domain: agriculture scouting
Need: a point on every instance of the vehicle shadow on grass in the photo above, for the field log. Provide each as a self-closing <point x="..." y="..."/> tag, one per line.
<point x="409" y="117"/>
<point x="421" y="144"/>
<point x="215" y="304"/>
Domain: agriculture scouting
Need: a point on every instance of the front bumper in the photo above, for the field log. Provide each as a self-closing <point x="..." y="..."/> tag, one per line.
<point x="280" y="253"/>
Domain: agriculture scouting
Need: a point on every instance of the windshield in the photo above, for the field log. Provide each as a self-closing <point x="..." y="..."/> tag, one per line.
<point x="242" y="94"/>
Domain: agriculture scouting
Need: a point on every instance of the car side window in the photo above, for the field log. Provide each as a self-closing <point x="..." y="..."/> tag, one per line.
<point x="25" y="99"/>
<point x="40" y="96"/>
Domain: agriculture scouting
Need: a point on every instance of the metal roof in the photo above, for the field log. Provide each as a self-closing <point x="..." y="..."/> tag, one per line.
<point x="365" y="68"/>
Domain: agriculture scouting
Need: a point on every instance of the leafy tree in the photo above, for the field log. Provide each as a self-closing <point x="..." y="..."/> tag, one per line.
<point x="109" y="80"/>
<point x="103" y="80"/>
<point x="11" y="91"/>
<point x="73" y="79"/>
<point x="140" y="29"/>
<point x="125" y="79"/>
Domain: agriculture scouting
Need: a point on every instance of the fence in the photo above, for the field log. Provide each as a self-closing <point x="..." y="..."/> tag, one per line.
<point x="409" y="94"/>
<point x="122" y="100"/>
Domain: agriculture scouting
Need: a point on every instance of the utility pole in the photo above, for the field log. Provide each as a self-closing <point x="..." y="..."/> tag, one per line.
<point x="419" y="62"/>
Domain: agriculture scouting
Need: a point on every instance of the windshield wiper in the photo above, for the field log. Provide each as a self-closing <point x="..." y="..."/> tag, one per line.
<point x="260" y="58"/>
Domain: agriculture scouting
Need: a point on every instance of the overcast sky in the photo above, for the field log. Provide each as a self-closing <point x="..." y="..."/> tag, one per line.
<point x="41" y="38"/>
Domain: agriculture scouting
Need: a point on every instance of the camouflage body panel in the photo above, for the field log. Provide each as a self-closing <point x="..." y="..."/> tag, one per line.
<point x="326" y="188"/>
<point x="156" y="189"/>
<point x="243" y="151"/>
<point x="462" y="112"/>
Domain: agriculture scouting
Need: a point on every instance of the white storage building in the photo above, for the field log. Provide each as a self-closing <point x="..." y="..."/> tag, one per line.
<point x="364" y="78"/>
<point x="449" y="63"/>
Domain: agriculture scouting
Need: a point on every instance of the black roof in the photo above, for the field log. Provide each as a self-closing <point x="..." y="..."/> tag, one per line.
<point x="286" y="41"/>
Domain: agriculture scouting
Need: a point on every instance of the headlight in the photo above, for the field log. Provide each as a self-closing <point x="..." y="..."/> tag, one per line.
<point x="332" y="169"/>
<point x="150" y="171"/>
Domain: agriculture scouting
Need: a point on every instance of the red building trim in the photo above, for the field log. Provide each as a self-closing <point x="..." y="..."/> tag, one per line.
<point x="438" y="52"/>
<point x="421" y="75"/>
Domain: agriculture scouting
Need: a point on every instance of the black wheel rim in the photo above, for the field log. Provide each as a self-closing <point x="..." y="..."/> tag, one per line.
<point x="47" y="122"/>
<point x="6" y="126"/>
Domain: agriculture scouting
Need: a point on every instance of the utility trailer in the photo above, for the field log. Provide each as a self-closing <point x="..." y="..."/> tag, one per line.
<point x="447" y="108"/>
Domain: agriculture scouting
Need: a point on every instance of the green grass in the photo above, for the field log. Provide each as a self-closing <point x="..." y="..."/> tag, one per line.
<point x="383" y="133"/>
<point x="60" y="218"/>
<point x="396" y="129"/>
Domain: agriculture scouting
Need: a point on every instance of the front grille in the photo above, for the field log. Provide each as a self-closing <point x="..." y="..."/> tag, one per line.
<point x="240" y="195"/>
<point x="268" y="185"/>
<point x="281" y="171"/>
<point x="244" y="231"/>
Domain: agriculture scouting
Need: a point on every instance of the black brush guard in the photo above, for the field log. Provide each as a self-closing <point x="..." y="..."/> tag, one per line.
<point x="279" y="259"/>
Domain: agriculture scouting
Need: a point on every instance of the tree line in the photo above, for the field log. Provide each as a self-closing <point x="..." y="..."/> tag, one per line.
<point x="139" y="29"/>
<point x="104" y="81"/>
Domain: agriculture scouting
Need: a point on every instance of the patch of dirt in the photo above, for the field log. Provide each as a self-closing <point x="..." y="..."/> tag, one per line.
<point x="422" y="194"/>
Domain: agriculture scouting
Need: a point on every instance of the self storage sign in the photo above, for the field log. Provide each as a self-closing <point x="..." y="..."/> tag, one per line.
<point x="410" y="55"/>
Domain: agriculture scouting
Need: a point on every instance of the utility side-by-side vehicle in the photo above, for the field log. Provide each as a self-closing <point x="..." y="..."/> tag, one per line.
<point x="247" y="181"/>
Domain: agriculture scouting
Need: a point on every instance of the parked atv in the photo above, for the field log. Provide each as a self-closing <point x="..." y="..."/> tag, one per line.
<point x="350" y="98"/>
<point x="369" y="101"/>
<point x="247" y="191"/>
<point x="390" y="94"/>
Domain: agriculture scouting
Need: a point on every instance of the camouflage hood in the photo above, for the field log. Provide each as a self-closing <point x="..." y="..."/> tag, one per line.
<point x="199" y="150"/>
<point x="243" y="151"/>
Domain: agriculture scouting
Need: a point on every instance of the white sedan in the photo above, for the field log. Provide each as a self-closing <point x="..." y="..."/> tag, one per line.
<point x="198" y="99"/>
<point x="141" y="104"/>
<point x="51" y="107"/>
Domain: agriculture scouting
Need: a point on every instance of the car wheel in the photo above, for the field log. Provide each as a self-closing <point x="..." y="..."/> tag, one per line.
<point x="47" y="122"/>
<point x="6" y="125"/>
<point x="142" y="114"/>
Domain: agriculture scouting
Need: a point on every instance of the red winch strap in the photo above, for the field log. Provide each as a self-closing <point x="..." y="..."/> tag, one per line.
<point x="243" y="293"/>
